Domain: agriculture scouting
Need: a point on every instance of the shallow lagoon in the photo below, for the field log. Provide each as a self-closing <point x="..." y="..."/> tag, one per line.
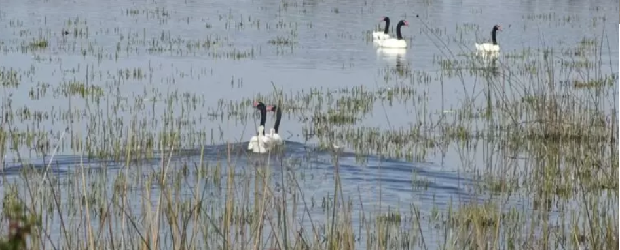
<point x="434" y="135"/>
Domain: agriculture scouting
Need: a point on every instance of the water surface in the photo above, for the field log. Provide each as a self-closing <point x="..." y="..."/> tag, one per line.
<point x="143" y="52"/>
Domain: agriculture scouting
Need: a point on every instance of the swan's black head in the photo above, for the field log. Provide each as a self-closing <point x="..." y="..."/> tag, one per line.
<point x="402" y="23"/>
<point x="260" y="106"/>
<point x="497" y="27"/>
<point x="387" y="24"/>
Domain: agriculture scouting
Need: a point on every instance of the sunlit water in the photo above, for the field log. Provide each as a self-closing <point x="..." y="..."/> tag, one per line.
<point x="331" y="50"/>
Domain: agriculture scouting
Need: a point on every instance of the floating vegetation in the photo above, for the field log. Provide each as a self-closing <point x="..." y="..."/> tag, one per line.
<point x="606" y="82"/>
<point x="282" y="41"/>
<point x="333" y="118"/>
<point x="40" y="43"/>
<point x="80" y="89"/>
<point x="9" y="78"/>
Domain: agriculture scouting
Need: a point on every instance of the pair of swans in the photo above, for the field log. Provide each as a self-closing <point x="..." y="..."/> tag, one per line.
<point x="384" y="40"/>
<point x="263" y="143"/>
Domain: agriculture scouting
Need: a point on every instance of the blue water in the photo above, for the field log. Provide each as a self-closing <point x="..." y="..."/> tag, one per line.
<point x="187" y="49"/>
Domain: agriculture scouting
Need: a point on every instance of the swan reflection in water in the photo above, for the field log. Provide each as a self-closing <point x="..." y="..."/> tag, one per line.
<point x="485" y="55"/>
<point x="489" y="61"/>
<point x="394" y="55"/>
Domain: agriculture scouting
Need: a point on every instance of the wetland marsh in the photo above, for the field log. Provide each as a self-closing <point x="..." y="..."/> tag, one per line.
<point x="124" y="124"/>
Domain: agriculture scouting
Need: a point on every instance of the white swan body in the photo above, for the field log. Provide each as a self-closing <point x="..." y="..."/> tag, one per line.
<point x="393" y="43"/>
<point x="264" y="143"/>
<point x="492" y="46"/>
<point x="487" y="47"/>
<point x="273" y="138"/>
<point x="259" y="143"/>
<point x="397" y="42"/>
<point x="380" y="35"/>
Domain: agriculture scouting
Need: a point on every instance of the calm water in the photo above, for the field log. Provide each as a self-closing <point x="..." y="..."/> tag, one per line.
<point x="332" y="50"/>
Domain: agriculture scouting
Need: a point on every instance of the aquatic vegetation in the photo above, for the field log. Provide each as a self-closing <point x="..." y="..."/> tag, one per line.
<point x="40" y="43"/>
<point x="133" y="136"/>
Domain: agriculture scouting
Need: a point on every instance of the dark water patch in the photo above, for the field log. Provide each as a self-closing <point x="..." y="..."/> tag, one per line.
<point x="14" y="170"/>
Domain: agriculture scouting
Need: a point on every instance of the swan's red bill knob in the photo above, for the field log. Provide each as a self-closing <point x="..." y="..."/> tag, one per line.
<point x="406" y="23"/>
<point x="270" y="108"/>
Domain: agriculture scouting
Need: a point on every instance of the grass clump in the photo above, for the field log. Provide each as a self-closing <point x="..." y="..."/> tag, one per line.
<point x="21" y="225"/>
<point x="40" y="43"/>
<point x="282" y="41"/>
<point x="75" y="88"/>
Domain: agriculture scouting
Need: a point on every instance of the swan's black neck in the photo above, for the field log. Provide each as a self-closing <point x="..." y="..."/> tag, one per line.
<point x="278" y="117"/>
<point x="263" y="115"/>
<point x="399" y="36"/>
<point x="494" y="35"/>
<point x="387" y="25"/>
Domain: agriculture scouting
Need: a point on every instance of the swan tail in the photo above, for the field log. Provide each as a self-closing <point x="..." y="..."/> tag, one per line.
<point x="252" y="142"/>
<point x="277" y="139"/>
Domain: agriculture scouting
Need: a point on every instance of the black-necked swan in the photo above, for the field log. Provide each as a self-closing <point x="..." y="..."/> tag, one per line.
<point x="273" y="132"/>
<point x="262" y="143"/>
<point x="258" y="142"/>
<point x="380" y="35"/>
<point x="492" y="46"/>
<point x="397" y="42"/>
